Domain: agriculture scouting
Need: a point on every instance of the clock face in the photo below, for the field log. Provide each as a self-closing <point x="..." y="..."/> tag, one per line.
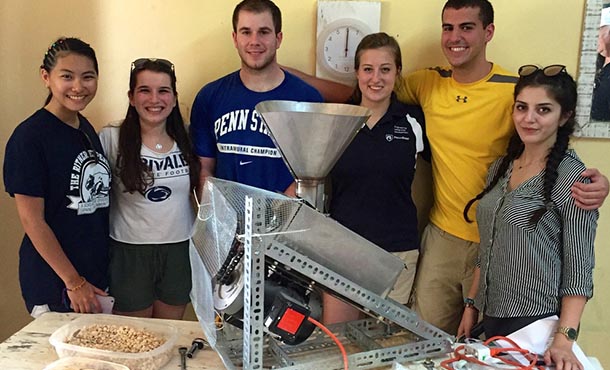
<point x="337" y="47"/>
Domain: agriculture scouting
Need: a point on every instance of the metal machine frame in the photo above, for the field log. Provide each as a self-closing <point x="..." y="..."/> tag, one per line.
<point x="430" y="341"/>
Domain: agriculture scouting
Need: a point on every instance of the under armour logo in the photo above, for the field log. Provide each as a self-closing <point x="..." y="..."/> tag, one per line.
<point x="463" y="99"/>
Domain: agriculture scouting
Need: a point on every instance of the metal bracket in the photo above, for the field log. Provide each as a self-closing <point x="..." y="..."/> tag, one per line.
<point x="393" y="319"/>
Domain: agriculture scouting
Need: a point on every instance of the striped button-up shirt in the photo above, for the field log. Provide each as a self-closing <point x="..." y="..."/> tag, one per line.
<point x="525" y="268"/>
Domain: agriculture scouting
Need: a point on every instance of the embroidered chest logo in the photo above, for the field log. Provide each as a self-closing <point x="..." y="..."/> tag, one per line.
<point x="460" y="98"/>
<point x="400" y="133"/>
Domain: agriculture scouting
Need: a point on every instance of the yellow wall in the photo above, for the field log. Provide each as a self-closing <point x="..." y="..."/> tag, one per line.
<point x="195" y="35"/>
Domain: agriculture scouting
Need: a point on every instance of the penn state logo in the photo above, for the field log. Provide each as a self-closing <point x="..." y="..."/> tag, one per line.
<point x="389" y="137"/>
<point x="158" y="193"/>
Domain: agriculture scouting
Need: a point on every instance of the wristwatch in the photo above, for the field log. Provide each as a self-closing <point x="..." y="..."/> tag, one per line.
<point x="469" y="302"/>
<point x="570" y="333"/>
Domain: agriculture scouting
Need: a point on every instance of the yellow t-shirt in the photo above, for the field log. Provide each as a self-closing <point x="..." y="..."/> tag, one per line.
<point x="468" y="127"/>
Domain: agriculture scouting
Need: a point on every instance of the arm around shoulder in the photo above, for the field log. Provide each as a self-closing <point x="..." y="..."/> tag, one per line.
<point x="331" y="91"/>
<point x="591" y="196"/>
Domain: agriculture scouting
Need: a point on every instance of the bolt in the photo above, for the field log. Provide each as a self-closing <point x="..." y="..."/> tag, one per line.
<point x="197" y="344"/>
<point x="428" y="364"/>
<point x="182" y="351"/>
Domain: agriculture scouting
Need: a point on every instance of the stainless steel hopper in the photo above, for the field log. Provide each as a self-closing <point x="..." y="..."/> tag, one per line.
<point x="254" y="253"/>
<point x="311" y="137"/>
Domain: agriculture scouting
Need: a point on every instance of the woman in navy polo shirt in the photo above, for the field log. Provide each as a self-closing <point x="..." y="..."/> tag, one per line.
<point x="371" y="182"/>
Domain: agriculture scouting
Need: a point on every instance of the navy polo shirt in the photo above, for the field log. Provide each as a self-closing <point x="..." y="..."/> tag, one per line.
<point x="371" y="182"/>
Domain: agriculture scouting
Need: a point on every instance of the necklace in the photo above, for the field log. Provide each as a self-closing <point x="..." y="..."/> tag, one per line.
<point x="524" y="165"/>
<point x="159" y="147"/>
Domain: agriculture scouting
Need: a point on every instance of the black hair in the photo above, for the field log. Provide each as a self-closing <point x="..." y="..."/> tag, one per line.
<point x="562" y="88"/>
<point x="259" y="6"/>
<point x="133" y="172"/>
<point x="64" y="46"/>
<point x="377" y="41"/>
<point x="486" y="10"/>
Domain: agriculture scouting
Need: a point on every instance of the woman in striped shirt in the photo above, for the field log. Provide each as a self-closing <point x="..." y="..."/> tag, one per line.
<point x="536" y="254"/>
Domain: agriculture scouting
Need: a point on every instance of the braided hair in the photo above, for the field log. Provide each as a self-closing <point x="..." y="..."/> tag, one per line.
<point x="562" y="88"/>
<point x="64" y="46"/>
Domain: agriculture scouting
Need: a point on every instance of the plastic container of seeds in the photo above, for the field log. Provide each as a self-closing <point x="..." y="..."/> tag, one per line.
<point x="82" y="363"/>
<point x="92" y="326"/>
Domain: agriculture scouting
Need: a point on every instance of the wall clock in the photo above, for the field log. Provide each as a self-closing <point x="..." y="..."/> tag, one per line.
<point x="337" y="46"/>
<point x="341" y="26"/>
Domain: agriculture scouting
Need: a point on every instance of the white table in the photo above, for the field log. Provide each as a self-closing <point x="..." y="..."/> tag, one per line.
<point x="29" y="348"/>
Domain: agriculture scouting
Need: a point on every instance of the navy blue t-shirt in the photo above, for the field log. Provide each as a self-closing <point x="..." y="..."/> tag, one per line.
<point x="66" y="167"/>
<point x="225" y="126"/>
<point x="371" y="181"/>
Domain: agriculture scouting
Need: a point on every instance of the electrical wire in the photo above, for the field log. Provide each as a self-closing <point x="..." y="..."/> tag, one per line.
<point x="533" y="358"/>
<point x="219" y="320"/>
<point x="496" y="353"/>
<point x="334" y="338"/>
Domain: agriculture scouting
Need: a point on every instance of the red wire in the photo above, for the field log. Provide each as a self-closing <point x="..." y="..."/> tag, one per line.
<point x="458" y="355"/>
<point x="334" y="338"/>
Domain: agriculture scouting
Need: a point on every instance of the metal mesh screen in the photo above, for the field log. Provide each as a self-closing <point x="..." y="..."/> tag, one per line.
<point x="220" y="221"/>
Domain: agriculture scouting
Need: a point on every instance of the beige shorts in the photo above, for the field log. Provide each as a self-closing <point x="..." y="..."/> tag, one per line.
<point x="336" y="311"/>
<point x="444" y="275"/>
<point x="402" y="289"/>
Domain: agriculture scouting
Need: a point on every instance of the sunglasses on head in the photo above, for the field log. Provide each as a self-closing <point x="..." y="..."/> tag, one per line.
<point x="549" y="71"/>
<point x="138" y="63"/>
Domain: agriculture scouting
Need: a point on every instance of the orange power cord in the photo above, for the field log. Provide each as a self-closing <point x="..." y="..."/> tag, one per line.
<point x="495" y="352"/>
<point x="334" y="338"/>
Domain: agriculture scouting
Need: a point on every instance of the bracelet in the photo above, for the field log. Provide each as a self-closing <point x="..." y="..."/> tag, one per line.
<point x="77" y="287"/>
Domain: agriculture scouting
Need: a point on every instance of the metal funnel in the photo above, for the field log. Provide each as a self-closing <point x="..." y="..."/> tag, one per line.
<point x="311" y="137"/>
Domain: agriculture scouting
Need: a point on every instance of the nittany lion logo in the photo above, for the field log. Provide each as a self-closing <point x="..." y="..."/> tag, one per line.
<point x="158" y="193"/>
<point x="389" y="137"/>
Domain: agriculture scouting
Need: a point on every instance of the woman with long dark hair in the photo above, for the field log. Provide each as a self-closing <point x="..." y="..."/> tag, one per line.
<point x="151" y="215"/>
<point x="536" y="255"/>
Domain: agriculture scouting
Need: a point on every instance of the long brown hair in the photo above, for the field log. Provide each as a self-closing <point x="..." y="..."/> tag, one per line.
<point x="562" y="88"/>
<point x="133" y="172"/>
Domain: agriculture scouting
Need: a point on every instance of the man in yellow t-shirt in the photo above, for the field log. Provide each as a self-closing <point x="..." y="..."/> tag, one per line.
<point x="468" y="117"/>
<point x="468" y="113"/>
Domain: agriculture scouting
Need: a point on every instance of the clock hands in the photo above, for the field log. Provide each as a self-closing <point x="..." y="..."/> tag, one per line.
<point x="336" y="46"/>
<point x="346" y="40"/>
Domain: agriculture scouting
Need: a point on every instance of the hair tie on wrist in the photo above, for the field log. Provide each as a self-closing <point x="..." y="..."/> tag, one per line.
<point x="78" y="286"/>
